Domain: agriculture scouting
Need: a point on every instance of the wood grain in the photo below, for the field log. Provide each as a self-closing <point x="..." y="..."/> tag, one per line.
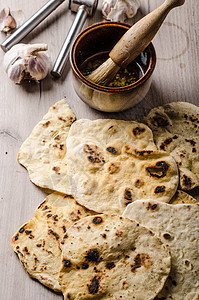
<point x="176" y="78"/>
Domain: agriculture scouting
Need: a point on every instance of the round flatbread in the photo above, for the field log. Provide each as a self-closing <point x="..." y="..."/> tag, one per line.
<point x="177" y="226"/>
<point x="37" y="243"/>
<point x="112" y="163"/>
<point x="43" y="152"/>
<point x="110" y="257"/>
<point x="175" y="128"/>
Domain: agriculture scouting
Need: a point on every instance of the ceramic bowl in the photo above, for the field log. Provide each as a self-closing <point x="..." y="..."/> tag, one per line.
<point x="100" y="38"/>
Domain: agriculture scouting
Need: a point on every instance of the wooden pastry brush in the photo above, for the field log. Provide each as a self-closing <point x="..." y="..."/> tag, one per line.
<point x="132" y="43"/>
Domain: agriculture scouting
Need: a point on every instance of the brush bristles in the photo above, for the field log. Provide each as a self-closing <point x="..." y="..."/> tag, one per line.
<point x="104" y="73"/>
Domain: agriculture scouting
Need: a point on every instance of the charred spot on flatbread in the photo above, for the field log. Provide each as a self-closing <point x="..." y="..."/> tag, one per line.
<point x="111" y="150"/>
<point x="151" y="206"/>
<point x="128" y="196"/>
<point x="159" y="170"/>
<point x="167" y="236"/>
<point x="138" y="130"/>
<point x="92" y="255"/>
<point x="141" y="259"/>
<point x="159" y="120"/>
<point x="66" y="263"/>
<point x="85" y="265"/>
<point x="57" y="137"/>
<point x="68" y="296"/>
<point x="51" y="232"/>
<point x="110" y="265"/>
<point x="94" y="286"/>
<point x="113" y="167"/>
<point x="21" y="230"/>
<point x="159" y="189"/>
<point x="97" y="220"/>
<point x="56" y="170"/>
<point x="46" y="124"/>
<point x="186" y="182"/>
<point x="167" y="142"/>
<point x="143" y="152"/>
<point x="138" y="183"/>
<point x="112" y="129"/>
<point x="95" y="156"/>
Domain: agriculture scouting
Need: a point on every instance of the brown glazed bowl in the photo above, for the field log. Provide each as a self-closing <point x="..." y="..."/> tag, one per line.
<point x="102" y="37"/>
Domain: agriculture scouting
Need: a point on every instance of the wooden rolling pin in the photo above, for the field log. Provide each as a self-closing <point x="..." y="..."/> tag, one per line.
<point x="132" y="43"/>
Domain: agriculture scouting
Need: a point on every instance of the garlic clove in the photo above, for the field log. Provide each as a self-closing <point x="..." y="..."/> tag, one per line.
<point x="17" y="72"/>
<point x="10" y="20"/>
<point x="27" y="62"/>
<point x="107" y="6"/>
<point x="37" y="66"/>
<point x="9" y="23"/>
<point x="119" y="10"/>
<point x="132" y="8"/>
<point x="12" y="55"/>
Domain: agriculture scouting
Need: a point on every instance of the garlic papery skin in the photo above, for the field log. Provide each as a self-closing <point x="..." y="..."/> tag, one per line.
<point x="27" y="61"/>
<point x="119" y="10"/>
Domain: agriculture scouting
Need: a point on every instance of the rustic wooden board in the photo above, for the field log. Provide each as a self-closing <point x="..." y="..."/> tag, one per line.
<point x="176" y="78"/>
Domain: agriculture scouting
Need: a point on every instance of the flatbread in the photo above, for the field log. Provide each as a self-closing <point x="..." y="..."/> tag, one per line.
<point x="176" y="130"/>
<point x="43" y="153"/>
<point x="106" y="173"/>
<point x="37" y="243"/>
<point x="177" y="226"/>
<point x="110" y="257"/>
<point x="182" y="197"/>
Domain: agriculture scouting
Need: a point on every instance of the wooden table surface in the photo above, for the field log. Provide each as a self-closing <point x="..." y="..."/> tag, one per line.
<point x="176" y="78"/>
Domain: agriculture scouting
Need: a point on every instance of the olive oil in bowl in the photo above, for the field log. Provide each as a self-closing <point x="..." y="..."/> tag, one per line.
<point x="126" y="76"/>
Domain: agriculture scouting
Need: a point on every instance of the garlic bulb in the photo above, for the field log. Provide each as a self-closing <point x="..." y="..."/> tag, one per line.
<point x="27" y="62"/>
<point x="119" y="10"/>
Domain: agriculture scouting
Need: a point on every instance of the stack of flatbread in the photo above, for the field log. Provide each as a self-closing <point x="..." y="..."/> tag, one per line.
<point x="115" y="226"/>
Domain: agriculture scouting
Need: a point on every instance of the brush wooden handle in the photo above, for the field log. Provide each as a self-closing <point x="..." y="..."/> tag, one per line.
<point x="138" y="37"/>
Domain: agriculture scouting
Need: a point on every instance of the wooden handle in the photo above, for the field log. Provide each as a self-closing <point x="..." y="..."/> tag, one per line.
<point x="138" y="37"/>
